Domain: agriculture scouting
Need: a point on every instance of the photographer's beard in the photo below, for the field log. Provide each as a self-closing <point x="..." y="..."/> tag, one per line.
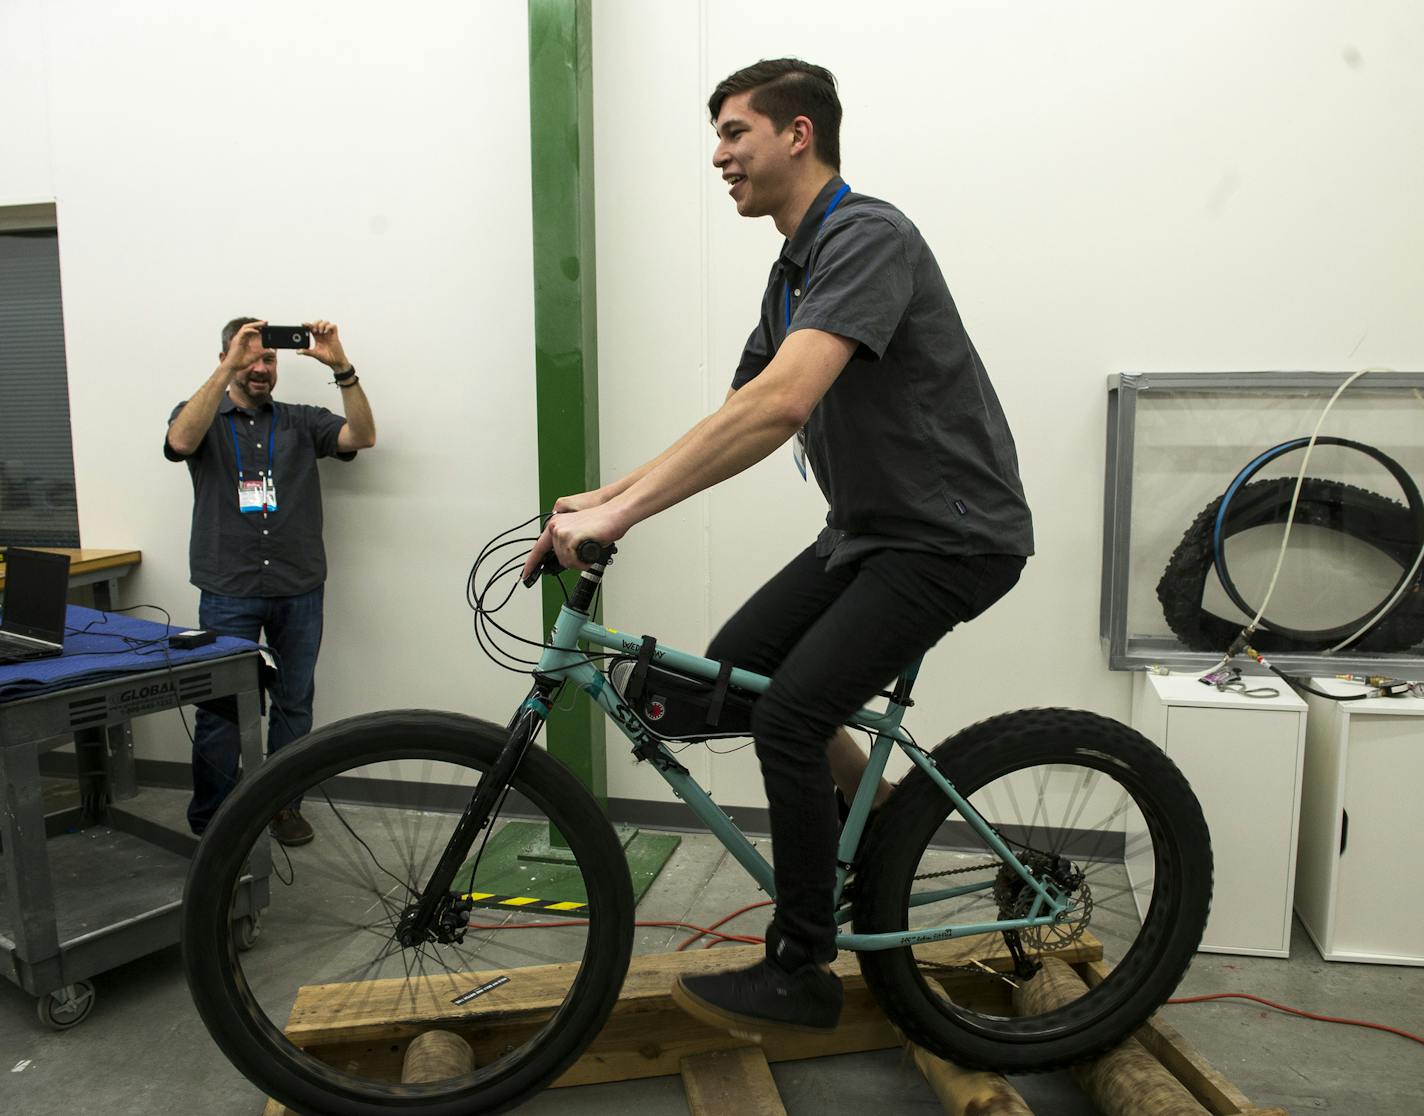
<point x="252" y="387"/>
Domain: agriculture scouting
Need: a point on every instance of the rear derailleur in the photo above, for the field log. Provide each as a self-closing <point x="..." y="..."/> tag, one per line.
<point x="1016" y="898"/>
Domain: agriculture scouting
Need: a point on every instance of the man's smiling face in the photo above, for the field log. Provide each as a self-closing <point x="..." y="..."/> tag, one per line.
<point x="754" y="158"/>
<point x="259" y="378"/>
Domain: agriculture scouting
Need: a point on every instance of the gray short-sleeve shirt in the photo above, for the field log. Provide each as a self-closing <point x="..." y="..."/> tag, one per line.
<point x="910" y="445"/>
<point x="259" y="553"/>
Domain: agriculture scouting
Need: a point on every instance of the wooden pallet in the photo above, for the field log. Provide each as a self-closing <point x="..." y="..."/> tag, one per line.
<point x="647" y="1035"/>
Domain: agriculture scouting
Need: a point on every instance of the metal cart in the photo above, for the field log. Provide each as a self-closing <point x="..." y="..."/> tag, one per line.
<point x="95" y="886"/>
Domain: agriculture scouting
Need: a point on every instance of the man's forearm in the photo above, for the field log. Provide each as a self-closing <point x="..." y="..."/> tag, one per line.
<point x="731" y="439"/>
<point x="186" y="431"/>
<point x="360" y="423"/>
<point x="752" y="422"/>
<point x="625" y="482"/>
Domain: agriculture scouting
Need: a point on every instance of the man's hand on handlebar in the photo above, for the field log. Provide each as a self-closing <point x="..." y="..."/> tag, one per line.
<point x="566" y="530"/>
<point x="581" y="502"/>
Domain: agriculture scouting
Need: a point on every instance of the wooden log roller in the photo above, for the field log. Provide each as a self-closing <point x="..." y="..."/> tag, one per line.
<point x="436" y="1056"/>
<point x="1127" y="1080"/>
<point x="969" y="1092"/>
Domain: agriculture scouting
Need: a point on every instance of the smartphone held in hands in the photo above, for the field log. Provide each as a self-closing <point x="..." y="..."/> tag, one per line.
<point x="286" y="337"/>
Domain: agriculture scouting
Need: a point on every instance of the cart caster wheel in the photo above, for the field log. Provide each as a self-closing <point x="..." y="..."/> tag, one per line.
<point x="245" y="931"/>
<point x="68" y="1007"/>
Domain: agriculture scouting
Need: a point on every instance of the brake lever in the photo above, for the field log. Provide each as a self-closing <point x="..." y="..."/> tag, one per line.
<point x="589" y="551"/>
<point x="550" y="565"/>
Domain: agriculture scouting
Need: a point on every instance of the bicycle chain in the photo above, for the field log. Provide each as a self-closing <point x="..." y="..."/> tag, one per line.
<point x="994" y="864"/>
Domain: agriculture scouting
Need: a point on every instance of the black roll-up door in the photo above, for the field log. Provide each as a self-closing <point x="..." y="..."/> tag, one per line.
<point x="37" y="502"/>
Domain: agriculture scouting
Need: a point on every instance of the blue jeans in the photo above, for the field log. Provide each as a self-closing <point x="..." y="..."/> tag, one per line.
<point x="292" y="627"/>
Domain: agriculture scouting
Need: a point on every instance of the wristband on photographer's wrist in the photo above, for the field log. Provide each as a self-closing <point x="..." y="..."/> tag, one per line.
<point x="344" y="377"/>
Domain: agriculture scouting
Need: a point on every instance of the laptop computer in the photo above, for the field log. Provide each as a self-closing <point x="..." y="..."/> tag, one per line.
<point x="36" y="585"/>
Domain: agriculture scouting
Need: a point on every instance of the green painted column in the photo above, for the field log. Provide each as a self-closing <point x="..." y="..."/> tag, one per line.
<point x="565" y="308"/>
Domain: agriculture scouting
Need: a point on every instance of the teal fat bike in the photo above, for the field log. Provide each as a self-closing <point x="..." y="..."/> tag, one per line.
<point x="1011" y="842"/>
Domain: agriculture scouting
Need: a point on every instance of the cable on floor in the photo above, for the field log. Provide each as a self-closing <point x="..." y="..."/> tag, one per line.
<point x="1297" y="1011"/>
<point x="751" y="939"/>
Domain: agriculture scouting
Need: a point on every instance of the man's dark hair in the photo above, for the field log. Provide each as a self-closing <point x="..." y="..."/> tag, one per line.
<point x="230" y="330"/>
<point x="785" y="88"/>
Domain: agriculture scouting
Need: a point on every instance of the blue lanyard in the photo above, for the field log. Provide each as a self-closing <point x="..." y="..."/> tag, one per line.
<point x="271" y="443"/>
<point x="805" y="279"/>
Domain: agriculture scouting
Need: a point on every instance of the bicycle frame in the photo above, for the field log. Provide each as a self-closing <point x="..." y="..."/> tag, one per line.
<point x="563" y="660"/>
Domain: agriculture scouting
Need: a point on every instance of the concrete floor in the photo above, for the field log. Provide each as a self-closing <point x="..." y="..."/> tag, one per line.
<point x="143" y="1050"/>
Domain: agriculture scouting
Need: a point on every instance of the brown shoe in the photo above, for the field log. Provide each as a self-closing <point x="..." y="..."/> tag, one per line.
<point x="290" y="828"/>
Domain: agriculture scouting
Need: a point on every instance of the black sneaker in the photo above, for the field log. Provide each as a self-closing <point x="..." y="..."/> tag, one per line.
<point x="290" y="828"/>
<point x="749" y="1003"/>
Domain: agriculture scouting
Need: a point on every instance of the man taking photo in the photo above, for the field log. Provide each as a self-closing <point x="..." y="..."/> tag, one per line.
<point x="256" y="549"/>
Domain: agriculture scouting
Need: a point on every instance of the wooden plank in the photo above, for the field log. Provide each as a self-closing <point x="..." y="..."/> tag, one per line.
<point x="731" y="1081"/>
<point x="1214" y="1092"/>
<point x="647" y="1035"/>
<point x="346" y="1013"/>
<point x="655" y="1043"/>
<point x="1217" y="1095"/>
<point x="1127" y="1080"/>
<point x="969" y="1092"/>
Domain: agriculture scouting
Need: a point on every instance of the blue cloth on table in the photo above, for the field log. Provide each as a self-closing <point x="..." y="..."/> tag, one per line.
<point x="100" y="645"/>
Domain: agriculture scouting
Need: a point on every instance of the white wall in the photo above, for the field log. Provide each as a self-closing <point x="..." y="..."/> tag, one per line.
<point x="1106" y="189"/>
<point x="295" y="161"/>
<point x="25" y="172"/>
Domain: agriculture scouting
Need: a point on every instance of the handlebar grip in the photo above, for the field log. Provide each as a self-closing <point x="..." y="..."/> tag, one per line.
<point x="589" y="551"/>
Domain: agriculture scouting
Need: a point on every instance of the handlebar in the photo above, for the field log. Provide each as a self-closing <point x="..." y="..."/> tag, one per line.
<point x="589" y="550"/>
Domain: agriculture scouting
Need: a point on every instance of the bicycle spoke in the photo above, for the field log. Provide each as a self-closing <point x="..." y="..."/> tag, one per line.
<point x="339" y="903"/>
<point x="1069" y="816"/>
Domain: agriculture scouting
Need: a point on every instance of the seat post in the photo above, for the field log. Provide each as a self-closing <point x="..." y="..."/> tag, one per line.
<point x="905" y="683"/>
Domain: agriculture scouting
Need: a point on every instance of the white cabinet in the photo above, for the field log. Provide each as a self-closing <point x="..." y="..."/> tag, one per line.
<point x="1359" y="879"/>
<point x="1243" y="759"/>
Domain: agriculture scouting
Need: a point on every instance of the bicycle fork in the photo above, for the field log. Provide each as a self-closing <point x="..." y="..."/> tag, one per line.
<point x="438" y="914"/>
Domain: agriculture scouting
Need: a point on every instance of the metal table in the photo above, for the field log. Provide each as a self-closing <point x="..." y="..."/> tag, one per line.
<point x="95" y="886"/>
<point x="101" y="569"/>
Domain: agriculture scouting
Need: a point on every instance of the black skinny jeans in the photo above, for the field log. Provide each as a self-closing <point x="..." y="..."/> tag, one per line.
<point x="831" y="640"/>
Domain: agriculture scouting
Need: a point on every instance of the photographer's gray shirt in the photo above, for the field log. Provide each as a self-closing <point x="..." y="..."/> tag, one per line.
<point x="259" y="553"/>
<point x="910" y="445"/>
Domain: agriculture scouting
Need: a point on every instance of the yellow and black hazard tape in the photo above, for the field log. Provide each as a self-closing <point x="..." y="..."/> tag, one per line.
<point x="526" y="903"/>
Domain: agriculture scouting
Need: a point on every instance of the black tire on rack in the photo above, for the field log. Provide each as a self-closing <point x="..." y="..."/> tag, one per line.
<point x="1379" y="521"/>
<point x="1054" y="783"/>
<point x="379" y="791"/>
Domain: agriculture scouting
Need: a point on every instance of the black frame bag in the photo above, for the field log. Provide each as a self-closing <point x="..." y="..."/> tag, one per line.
<point x="675" y="706"/>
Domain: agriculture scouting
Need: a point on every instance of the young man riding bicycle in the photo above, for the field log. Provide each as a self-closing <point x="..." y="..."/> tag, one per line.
<point x="861" y="356"/>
